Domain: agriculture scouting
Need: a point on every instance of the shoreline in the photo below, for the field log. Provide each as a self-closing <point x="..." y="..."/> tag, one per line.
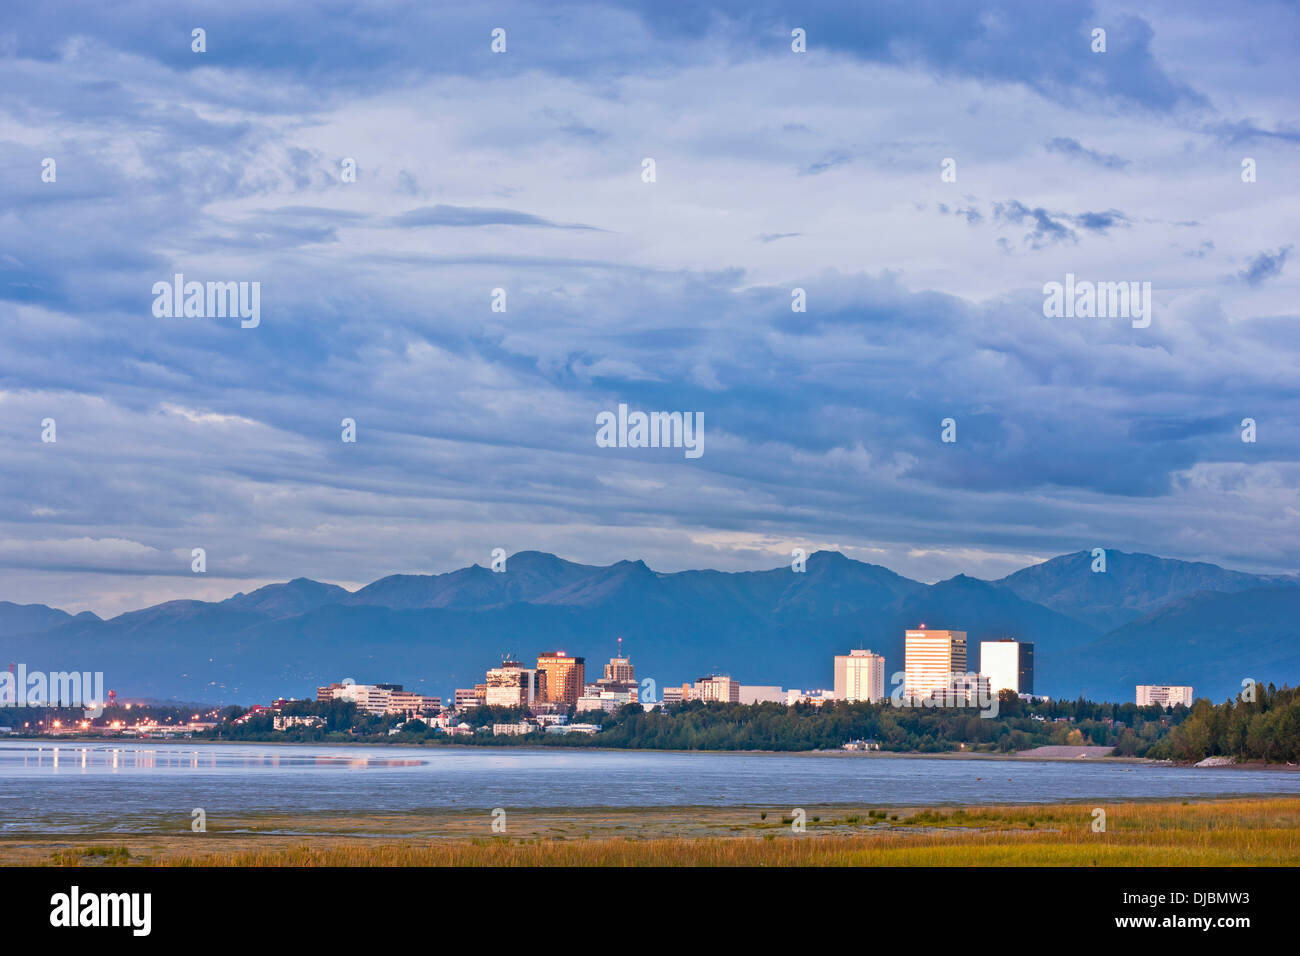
<point x="1020" y="757"/>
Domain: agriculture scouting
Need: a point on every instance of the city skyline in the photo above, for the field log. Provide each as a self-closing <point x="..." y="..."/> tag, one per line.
<point x="858" y="676"/>
<point x="1100" y="623"/>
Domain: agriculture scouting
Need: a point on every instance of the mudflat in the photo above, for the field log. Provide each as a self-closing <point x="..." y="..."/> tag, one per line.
<point x="1253" y="831"/>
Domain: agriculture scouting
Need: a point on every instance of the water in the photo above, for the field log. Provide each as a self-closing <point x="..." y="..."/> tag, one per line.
<point x="50" y="787"/>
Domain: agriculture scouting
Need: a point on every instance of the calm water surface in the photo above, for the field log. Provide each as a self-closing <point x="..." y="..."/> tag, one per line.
<point x="71" y="786"/>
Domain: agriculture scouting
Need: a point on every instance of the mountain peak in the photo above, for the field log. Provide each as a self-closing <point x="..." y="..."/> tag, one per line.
<point x="1130" y="585"/>
<point x="286" y="600"/>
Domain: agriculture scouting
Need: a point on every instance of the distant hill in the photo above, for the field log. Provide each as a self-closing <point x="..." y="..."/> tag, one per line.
<point x="33" y="618"/>
<point x="1131" y="586"/>
<point x="1147" y="619"/>
<point x="1210" y="640"/>
<point x="531" y="576"/>
<point x="282" y="600"/>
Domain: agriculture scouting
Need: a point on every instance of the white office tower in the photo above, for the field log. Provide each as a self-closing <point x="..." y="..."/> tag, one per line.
<point x="859" y="676"/>
<point x="1008" y="664"/>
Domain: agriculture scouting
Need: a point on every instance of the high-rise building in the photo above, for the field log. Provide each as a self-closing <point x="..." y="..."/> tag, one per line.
<point x="860" y="675"/>
<point x="514" y="685"/>
<point x="1166" y="695"/>
<point x="1008" y="664"/>
<point x="930" y="660"/>
<point x="717" y="687"/>
<point x="619" y="669"/>
<point x="620" y="677"/>
<point x="566" y="677"/>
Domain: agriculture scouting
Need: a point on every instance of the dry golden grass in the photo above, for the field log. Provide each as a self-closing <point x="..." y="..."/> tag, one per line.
<point x="1207" y="833"/>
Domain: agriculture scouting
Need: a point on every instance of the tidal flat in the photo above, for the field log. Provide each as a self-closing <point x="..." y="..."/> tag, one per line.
<point x="1218" y="832"/>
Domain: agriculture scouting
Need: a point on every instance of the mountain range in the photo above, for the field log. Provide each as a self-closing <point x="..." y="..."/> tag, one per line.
<point x="1145" y="619"/>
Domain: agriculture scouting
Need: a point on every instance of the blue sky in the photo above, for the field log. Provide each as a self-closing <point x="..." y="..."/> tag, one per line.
<point x="522" y="171"/>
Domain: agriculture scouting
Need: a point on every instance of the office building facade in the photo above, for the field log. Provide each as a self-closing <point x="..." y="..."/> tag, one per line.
<point x="514" y="685"/>
<point x="566" y="677"/>
<point x="931" y="658"/>
<point x="1008" y="664"/>
<point x="860" y="676"/>
<point x="716" y="688"/>
<point x="1164" y="695"/>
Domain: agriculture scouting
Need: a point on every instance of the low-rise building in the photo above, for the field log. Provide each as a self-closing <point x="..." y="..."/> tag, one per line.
<point x="814" y="697"/>
<point x="369" y="698"/>
<point x="257" y="710"/>
<point x="283" y="722"/>
<point x="326" y="694"/>
<point x="513" y="730"/>
<point x="606" y="700"/>
<point x="1164" y="695"/>
<point x="409" y="702"/>
<point x="756" y="694"/>
<point x="573" y="729"/>
<point x="467" y="697"/>
<point x="862" y="745"/>
<point x="717" y="687"/>
<point x="966" y="690"/>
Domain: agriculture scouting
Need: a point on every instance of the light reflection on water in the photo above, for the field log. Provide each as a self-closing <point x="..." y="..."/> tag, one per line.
<point x="127" y="757"/>
<point x="55" y="787"/>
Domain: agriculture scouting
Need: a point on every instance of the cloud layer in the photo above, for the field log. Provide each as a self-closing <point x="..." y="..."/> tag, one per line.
<point x="522" y="172"/>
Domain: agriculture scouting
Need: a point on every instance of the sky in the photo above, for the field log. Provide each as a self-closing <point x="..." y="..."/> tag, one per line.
<point x="523" y="170"/>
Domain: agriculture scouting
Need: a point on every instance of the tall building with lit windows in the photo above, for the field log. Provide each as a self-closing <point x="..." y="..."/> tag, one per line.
<point x="930" y="660"/>
<point x="514" y="685"/>
<point x="860" y="675"/>
<point x="566" y="677"/>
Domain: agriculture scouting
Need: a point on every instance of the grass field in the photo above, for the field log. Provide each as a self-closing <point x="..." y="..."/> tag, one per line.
<point x="1234" y="832"/>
